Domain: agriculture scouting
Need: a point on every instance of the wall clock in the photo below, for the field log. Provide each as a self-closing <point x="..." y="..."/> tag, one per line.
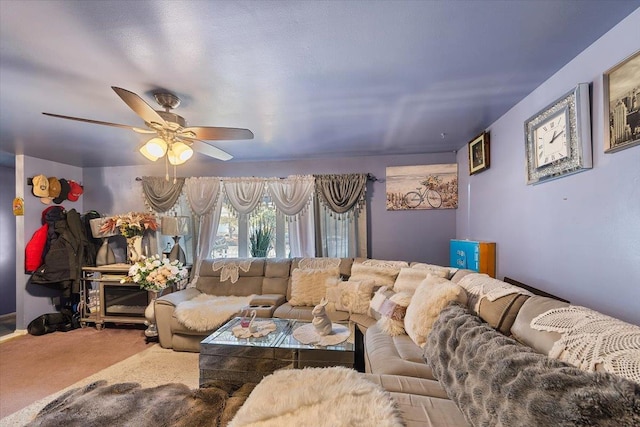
<point x="558" y="138"/>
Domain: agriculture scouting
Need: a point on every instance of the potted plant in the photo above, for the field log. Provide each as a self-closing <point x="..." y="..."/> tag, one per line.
<point x="260" y="240"/>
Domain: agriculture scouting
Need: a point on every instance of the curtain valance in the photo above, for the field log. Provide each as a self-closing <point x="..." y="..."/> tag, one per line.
<point x="161" y="194"/>
<point x="244" y="194"/>
<point x="291" y="195"/>
<point x="342" y="193"/>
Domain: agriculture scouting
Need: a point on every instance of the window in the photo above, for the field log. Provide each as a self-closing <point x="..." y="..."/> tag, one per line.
<point x="264" y="226"/>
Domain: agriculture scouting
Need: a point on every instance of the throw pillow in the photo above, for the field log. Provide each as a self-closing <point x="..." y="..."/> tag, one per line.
<point x="379" y="298"/>
<point x="382" y="275"/>
<point x="429" y="299"/>
<point x="392" y="314"/>
<point x="436" y="270"/>
<point x="309" y="286"/>
<point x="353" y="296"/>
<point x="409" y="279"/>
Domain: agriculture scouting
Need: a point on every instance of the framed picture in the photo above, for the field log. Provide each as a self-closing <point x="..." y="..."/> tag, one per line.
<point x="621" y="87"/>
<point x="479" y="153"/>
<point x="422" y="187"/>
<point x="558" y="137"/>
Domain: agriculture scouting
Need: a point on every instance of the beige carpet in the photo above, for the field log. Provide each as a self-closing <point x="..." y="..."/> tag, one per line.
<point x="151" y="367"/>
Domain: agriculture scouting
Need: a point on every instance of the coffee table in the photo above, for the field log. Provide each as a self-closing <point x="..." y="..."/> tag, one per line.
<point x="223" y="356"/>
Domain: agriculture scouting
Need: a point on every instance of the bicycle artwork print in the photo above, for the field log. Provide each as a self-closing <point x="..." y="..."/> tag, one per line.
<point x="422" y="187"/>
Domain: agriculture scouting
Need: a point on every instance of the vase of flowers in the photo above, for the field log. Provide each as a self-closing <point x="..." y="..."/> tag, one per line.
<point x="132" y="226"/>
<point x="155" y="274"/>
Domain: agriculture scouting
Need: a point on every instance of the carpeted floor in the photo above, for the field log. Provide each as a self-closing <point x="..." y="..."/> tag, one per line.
<point x="151" y="367"/>
<point x="33" y="367"/>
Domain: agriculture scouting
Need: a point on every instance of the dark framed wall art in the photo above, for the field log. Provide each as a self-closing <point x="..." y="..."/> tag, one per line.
<point x="479" y="153"/>
<point x="621" y="88"/>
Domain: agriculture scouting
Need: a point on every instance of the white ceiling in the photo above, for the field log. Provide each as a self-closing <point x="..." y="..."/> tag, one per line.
<point x="309" y="78"/>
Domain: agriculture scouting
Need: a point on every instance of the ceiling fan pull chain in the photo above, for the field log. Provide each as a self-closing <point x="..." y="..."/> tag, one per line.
<point x="175" y="173"/>
<point x="166" y="168"/>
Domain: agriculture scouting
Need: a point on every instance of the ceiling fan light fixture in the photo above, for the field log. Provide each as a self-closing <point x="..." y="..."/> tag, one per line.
<point x="182" y="151"/>
<point x="156" y="146"/>
<point x="143" y="150"/>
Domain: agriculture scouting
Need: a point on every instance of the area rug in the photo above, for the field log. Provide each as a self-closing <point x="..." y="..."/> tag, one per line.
<point x="319" y="397"/>
<point x="152" y="367"/>
<point x="127" y="404"/>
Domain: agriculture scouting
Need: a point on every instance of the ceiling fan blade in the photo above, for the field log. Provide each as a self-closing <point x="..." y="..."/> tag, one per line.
<point x="217" y="133"/>
<point x="141" y="108"/>
<point x="97" y="122"/>
<point x="209" y="150"/>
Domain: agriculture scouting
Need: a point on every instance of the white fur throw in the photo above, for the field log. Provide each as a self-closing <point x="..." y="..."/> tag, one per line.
<point x="409" y="279"/>
<point x="392" y="326"/>
<point x="431" y="297"/>
<point x="383" y="276"/>
<point x="309" y="286"/>
<point x="353" y="296"/>
<point x="331" y="397"/>
<point x="206" y="312"/>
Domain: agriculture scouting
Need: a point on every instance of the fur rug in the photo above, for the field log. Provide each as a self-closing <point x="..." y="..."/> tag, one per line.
<point x="331" y="397"/>
<point x="496" y="381"/>
<point x="206" y="312"/>
<point x="127" y="404"/>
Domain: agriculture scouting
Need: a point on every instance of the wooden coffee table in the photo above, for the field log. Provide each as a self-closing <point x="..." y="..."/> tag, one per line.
<point x="223" y="356"/>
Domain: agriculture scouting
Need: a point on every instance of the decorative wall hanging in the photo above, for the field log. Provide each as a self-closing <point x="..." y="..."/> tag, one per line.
<point x="621" y="87"/>
<point x="558" y="137"/>
<point x="422" y="187"/>
<point x="479" y="153"/>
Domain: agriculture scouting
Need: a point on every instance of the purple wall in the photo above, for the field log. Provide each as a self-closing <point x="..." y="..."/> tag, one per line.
<point x="7" y="241"/>
<point x="578" y="236"/>
<point x="408" y="235"/>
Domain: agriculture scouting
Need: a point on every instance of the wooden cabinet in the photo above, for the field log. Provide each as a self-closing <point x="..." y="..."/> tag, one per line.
<point x="473" y="255"/>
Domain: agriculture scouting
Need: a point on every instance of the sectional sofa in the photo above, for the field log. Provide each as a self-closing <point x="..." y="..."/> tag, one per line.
<point x="466" y="350"/>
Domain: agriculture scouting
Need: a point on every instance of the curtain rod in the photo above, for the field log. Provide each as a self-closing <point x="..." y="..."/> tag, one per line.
<point x="370" y="177"/>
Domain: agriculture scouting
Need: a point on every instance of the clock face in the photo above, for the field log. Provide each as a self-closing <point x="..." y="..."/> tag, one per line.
<point x="550" y="139"/>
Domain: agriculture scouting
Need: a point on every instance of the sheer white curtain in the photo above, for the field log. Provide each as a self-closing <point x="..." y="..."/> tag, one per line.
<point x="292" y="197"/>
<point x="203" y="194"/>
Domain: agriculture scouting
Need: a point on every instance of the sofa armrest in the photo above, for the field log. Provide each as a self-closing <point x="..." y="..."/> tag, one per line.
<point x="164" y="308"/>
<point x="268" y="299"/>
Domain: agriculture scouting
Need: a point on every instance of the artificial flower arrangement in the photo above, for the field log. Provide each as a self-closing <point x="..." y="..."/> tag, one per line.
<point x="155" y="273"/>
<point x="130" y="224"/>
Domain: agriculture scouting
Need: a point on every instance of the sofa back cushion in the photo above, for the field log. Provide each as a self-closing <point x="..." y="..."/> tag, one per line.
<point x="276" y="276"/>
<point x="540" y="341"/>
<point x="502" y="312"/>
<point x="249" y="279"/>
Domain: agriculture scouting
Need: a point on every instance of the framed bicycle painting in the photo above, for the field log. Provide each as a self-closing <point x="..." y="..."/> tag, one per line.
<point x="621" y="86"/>
<point x="479" y="153"/>
<point x="422" y="187"/>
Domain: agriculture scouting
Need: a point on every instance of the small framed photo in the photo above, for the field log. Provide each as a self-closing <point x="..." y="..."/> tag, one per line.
<point x="479" y="153"/>
<point x="621" y="88"/>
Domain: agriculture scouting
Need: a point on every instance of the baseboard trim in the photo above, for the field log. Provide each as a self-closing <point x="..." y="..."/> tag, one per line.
<point x="15" y="334"/>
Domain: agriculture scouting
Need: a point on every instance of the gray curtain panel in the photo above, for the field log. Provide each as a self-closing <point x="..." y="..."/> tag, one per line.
<point x="341" y="193"/>
<point x="161" y="194"/>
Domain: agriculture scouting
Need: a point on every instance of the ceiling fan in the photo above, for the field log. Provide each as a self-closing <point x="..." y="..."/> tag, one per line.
<point x="173" y="137"/>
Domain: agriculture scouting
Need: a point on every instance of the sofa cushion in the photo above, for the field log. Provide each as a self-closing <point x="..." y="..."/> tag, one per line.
<point x="309" y="286"/>
<point x="408" y="385"/>
<point x="396" y="355"/>
<point x="496" y="381"/>
<point x="391" y="321"/>
<point x="426" y="411"/>
<point x="353" y="296"/>
<point x="431" y="297"/>
<point x="435" y="270"/>
<point x="541" y="341"/>
<point x="409" y="278"/>
<point x="501" y="313"/>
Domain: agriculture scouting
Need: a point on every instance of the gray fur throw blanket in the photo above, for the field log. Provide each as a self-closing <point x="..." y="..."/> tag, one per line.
<point x="495" y="381"/>
<point x="127" y="404"/>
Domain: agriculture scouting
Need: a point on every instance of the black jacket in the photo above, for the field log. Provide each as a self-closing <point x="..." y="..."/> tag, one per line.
<point x="62" y="267"/>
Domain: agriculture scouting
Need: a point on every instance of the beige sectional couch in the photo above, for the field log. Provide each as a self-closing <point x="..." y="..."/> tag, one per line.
<point x="425" y="392"/>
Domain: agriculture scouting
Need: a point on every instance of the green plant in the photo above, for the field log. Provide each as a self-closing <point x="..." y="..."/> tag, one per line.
<point x="260" y="240"/>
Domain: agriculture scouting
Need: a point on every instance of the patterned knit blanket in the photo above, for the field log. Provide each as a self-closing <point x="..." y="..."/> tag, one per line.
<point x="496" y="381"/>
